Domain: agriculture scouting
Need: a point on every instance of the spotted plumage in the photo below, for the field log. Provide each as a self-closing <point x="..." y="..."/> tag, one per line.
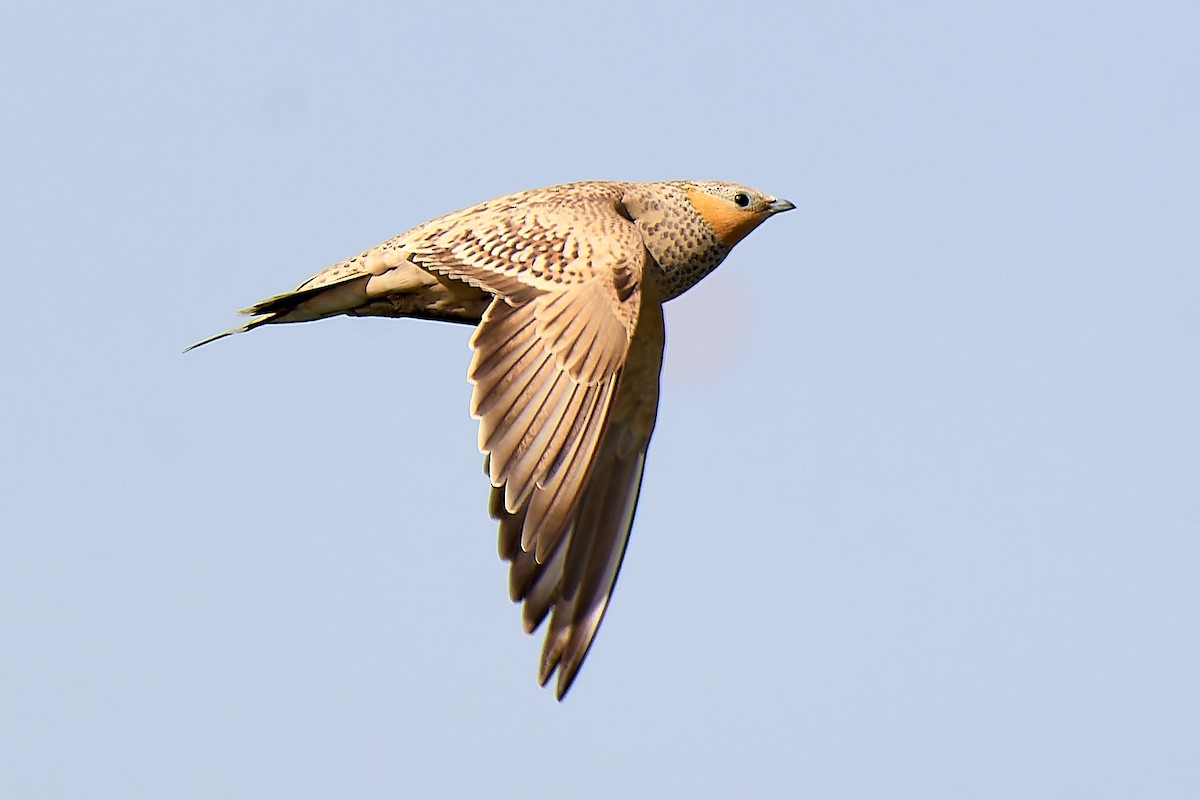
<point x="565" y="285"/>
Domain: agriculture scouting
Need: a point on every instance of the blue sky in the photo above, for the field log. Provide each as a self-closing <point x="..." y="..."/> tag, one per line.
<point x="922" y="512"/>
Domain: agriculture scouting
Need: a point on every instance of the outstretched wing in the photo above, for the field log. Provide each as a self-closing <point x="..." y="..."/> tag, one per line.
<point x="564" y="422"/>
<point x="550" y="348"/>
<point x="576" y="578"/>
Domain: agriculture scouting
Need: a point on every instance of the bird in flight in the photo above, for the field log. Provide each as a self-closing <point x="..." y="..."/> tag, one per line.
<point x="565" y="286"/>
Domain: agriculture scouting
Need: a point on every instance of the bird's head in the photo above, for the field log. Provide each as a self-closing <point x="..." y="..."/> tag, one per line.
<point x="732" y="211"/>
<point x="690" y="226"/>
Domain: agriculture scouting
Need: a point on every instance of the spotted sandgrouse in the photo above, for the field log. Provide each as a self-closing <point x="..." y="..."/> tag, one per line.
<point x="566" y="286"/>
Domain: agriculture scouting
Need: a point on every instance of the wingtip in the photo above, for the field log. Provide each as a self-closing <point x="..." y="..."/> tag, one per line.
<point x="561" y="686"/>
<point x="568" y="669"/>
<point x="553" y="661"/>
<point x="565" y="679"/>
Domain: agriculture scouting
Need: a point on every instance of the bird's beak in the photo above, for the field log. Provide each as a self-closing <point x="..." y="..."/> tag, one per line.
<point x="779" y="206"/>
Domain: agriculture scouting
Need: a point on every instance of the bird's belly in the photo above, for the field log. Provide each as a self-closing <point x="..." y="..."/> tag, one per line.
<point x="435" y="297"/>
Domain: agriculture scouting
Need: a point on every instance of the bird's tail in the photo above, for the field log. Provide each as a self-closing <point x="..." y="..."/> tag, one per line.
<point x="303" y="305"/>
<point x="249" y="326"/>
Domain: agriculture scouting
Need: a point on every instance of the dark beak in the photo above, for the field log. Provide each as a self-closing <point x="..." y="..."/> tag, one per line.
<point x="779" y="206"/>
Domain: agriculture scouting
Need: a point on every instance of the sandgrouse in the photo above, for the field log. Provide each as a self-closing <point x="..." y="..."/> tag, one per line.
<point x="566" y="286"/>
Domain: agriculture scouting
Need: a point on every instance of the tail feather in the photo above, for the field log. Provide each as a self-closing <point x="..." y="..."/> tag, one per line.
<point x="405" y="290"/>
<point x="249" y="326"/>
<point x="302" y="305"/>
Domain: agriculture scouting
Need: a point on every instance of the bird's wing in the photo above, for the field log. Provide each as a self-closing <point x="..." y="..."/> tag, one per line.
<point x="578" y="576"/>
<point x="549" y="350"/>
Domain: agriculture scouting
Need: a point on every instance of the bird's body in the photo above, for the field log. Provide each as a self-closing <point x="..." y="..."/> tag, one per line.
<point x="566" y="285"/>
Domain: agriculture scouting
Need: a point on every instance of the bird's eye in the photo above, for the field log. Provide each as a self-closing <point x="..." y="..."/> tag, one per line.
<point x="741" y="199"/>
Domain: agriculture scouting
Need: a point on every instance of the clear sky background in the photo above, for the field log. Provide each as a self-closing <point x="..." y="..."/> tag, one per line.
<point x="922" y="513"/>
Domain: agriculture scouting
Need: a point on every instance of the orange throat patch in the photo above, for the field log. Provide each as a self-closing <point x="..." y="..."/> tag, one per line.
<point x="730" y="223"/>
